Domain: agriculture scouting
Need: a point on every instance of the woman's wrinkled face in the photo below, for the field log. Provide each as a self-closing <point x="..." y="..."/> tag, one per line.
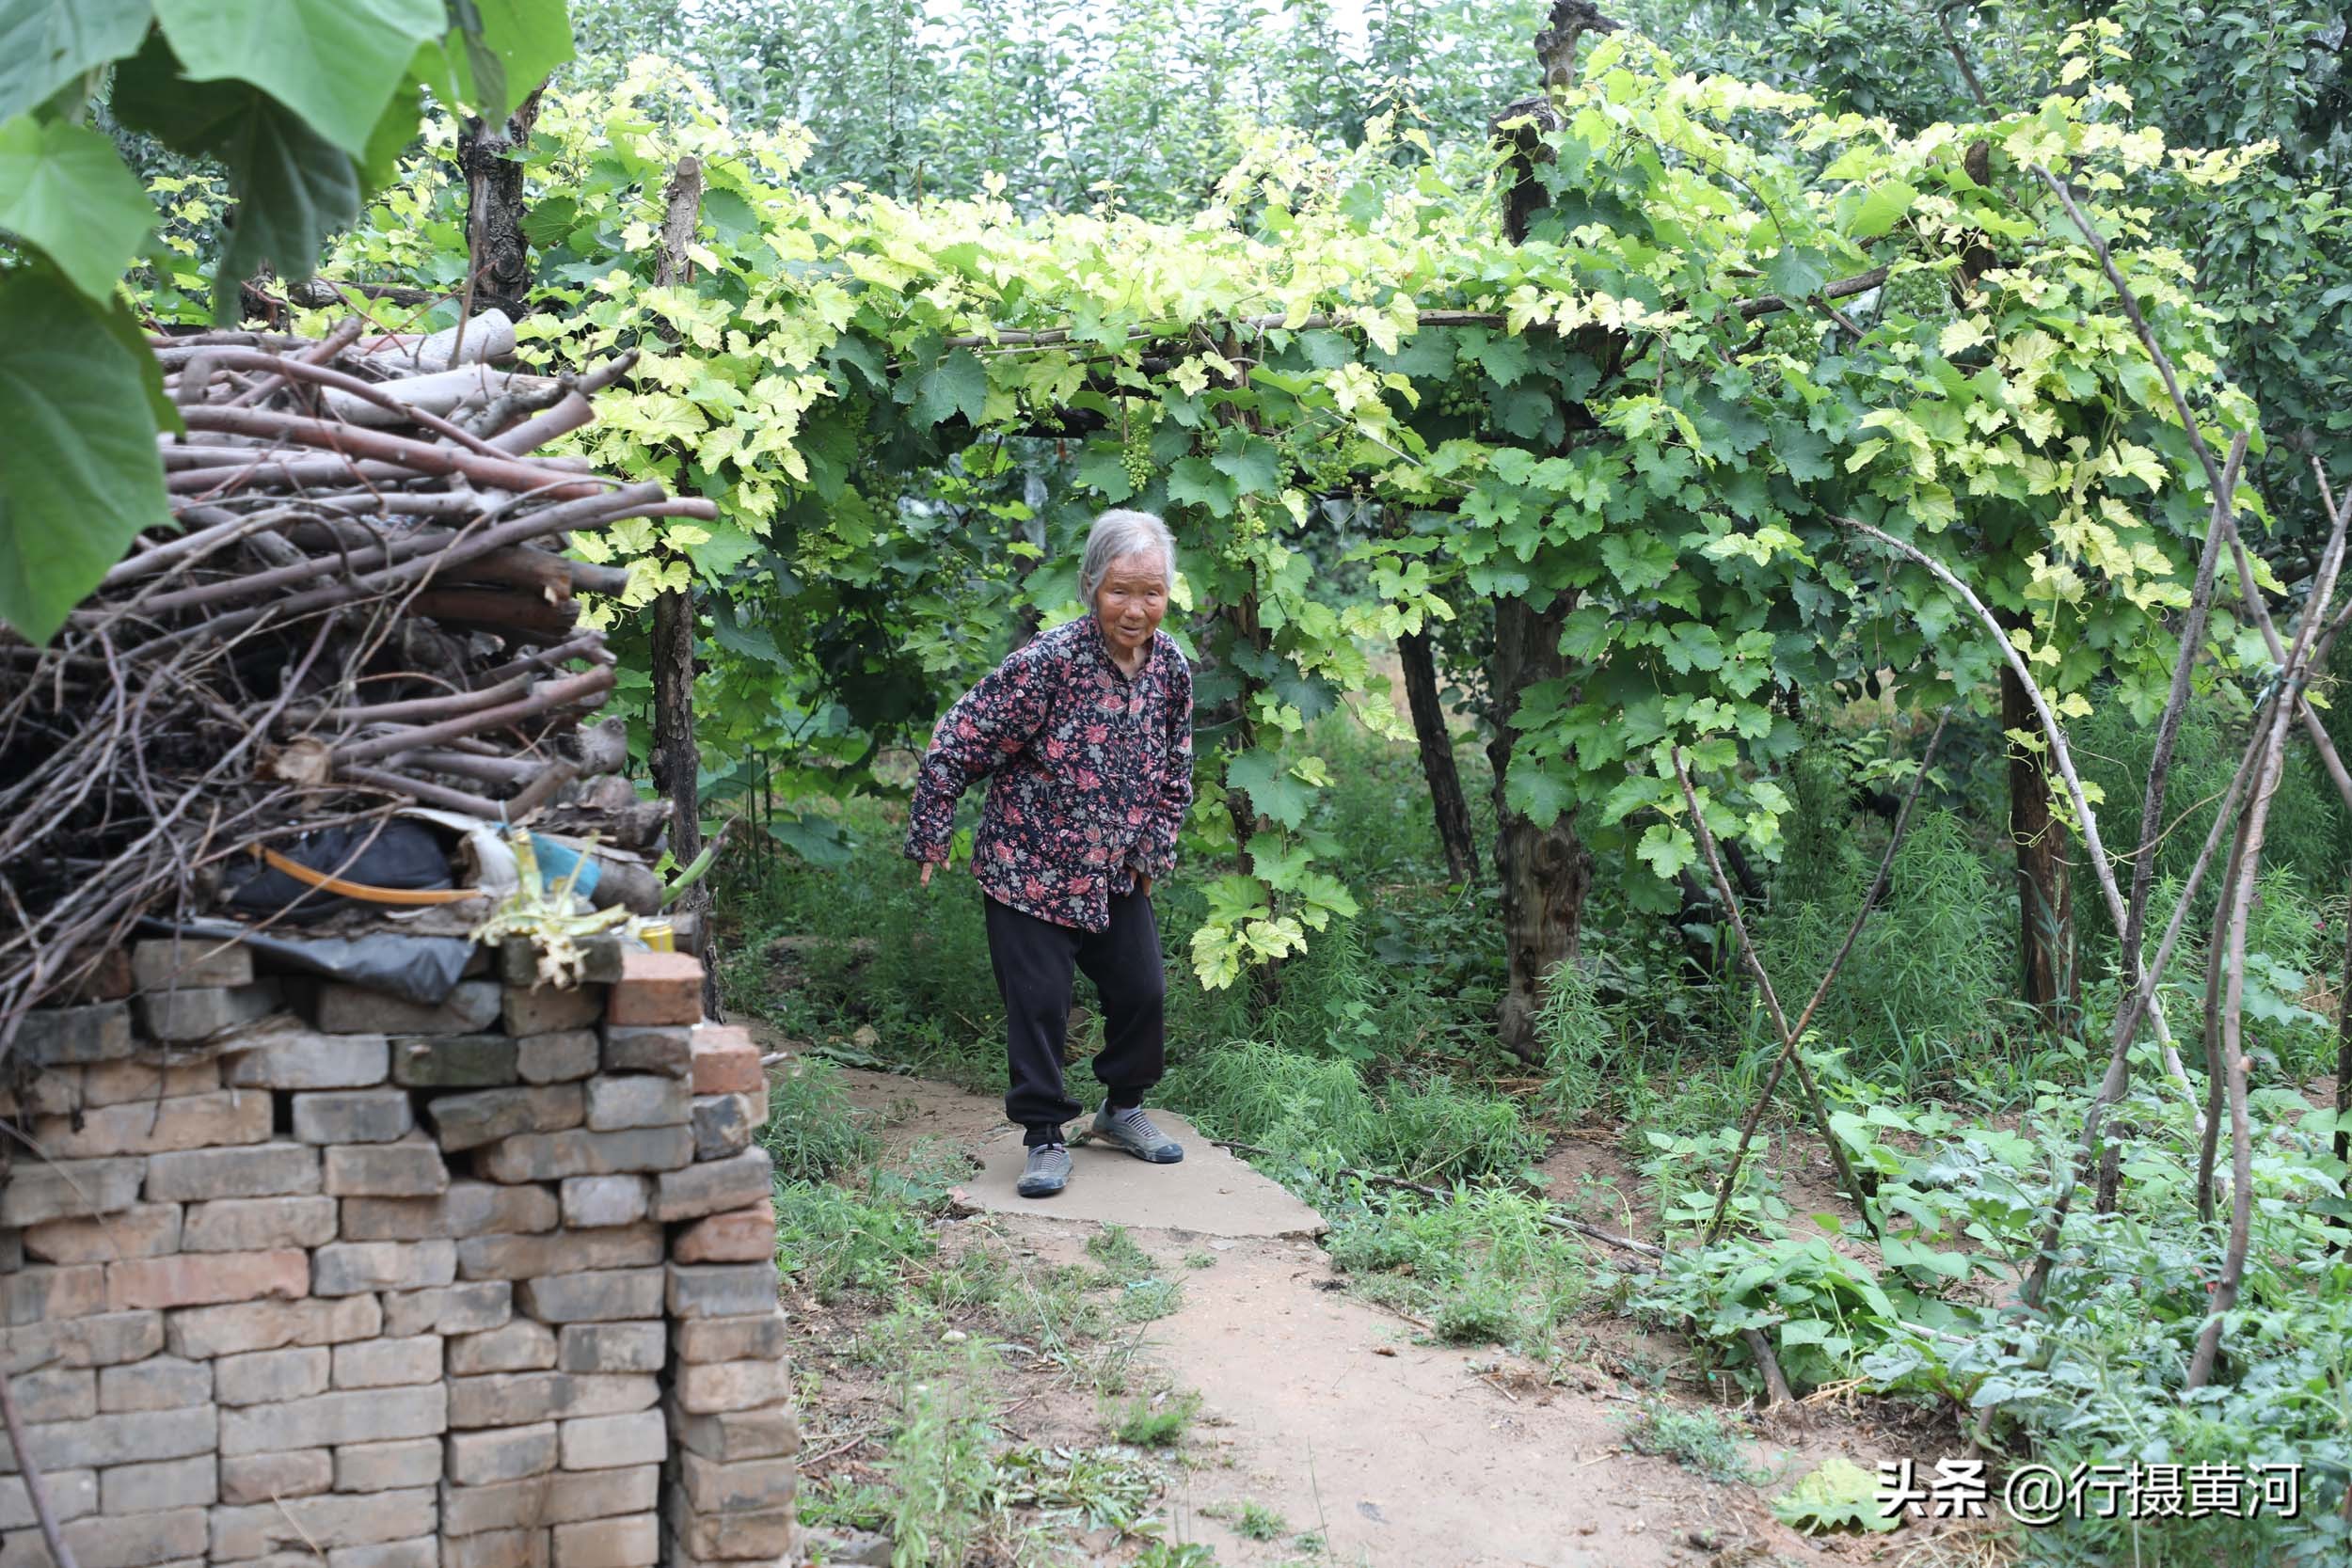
<point x="1132" y="599"/>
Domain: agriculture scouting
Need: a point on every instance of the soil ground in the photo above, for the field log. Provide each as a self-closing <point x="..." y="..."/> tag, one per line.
<point x="1338" y="1416"/>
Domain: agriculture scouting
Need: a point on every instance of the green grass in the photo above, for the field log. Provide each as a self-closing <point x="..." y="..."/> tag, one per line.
<point x="1153" y="1420"/>
<point x="1697" y="1438"/>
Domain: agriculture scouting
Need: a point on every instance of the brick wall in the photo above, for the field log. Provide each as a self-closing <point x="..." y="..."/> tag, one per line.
<point x="311" y="1270"/>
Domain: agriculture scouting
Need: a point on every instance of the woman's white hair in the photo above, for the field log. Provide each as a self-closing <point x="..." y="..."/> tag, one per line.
<point x="1118" y="535"/>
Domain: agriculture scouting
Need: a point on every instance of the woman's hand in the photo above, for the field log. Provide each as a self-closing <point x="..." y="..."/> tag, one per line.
<point x="929" y="866"/>
<point x="1143" y="883"/>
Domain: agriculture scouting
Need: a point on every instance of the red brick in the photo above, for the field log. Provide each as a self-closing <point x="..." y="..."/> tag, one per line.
<point x="726" y="1060"/>
<point x="737" y="1236"/>
<point x="207" y="1279"/>
<point x="656" y="989"/>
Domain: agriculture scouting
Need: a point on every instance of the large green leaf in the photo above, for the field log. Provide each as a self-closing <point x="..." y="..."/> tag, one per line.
<point x="957" y="384"/>
<point x="79" y="475"/>
<point x="1272" y="788"/>
<point x="293" y="190"/>
<point x="336" y="63"/>
<point x="502" y="49"/>
<point x="46" y="44"/>
<point x="64" y="189"/>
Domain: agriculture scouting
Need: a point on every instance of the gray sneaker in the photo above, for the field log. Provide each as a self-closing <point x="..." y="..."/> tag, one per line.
<point x="1046" y="1173"/>
<point x="1131" y="1131"/>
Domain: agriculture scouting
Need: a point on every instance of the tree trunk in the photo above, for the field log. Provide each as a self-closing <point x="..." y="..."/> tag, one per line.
<point x="677" y="758"/>
<point x="489" y="158"/>
<point x="1545" y="871"/>
<point x="2045" y="917"/>
<point x="1437" y="753"/>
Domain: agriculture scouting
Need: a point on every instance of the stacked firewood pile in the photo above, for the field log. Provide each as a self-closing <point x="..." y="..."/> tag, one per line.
<point x="365" y="606"/>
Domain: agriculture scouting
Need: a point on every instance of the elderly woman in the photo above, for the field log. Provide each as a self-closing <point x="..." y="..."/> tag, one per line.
<point x="1088" y="733"/>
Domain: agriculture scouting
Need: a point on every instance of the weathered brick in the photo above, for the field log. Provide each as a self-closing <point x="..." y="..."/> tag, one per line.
<point x="592" y="1202"/>
<point x="410" y="1168"/>
<point x="504" y="1548"/>
<point x="632" y="1541"/>
<point x="258" y="1224"/>
<point x="262" y="1170"/>
<point x="737" y="1236"/>
<point x="750" y="1486"/>
<point x="559" y="1498"/>
<point x="205" y="1279"/>
<point x="468" y="1309"/>
<point x="133" y="1437"/>
<point x="42" y="1190"/>
<point x="484" y="1115"/>
<point x="104" y="1340"/>
<point x="726" y="1060"/>
<point x="66" y="1037"/>
<point x="272" y="1376"/>
<point x="644" y="1100"/>
<point x="552" y="1156"/>
<point x="353" y="1115"/>
<point x="599" y="960"/>
<point x="453" y="1061"/>
<point x="57" y="1394"/>
<point x="257" y="1478"/>
<point x="733" y="1436"/>
<point x="47" y="1092"/>
<point x="206" y="1011"/>
<point x="304" y="1059"/>
<point x="215" y="1121"/>
<point x="103" y="975"/>
<point x="549" y="1010"/>
<point x="623" y="1346"/>
<point x="710" y="1387"/>
<point x="73" y="1494"/>
<point x="158" y="1383"/>
<point x="128" y="1083"/>
<point x="517" y="1398"/>
<point x="500" y="1454"/>
<point x="387" y="1466"/>
<point x="191" y="1482"/>
<point x="201" y="1333"/>
<point x="466" y="1209"/>
<point x="142" y="1230"/>
<point x="470" y="1007"/>
<point x="424" y="1551"/>
<point x="665" y="1049"/>
<point x="520" y="1346"/>
<point x="624" y="1247"/>
<point x="107" y="1541"/>
<point x="558" y="1057"/>
<point x="321" y="1522"/>
<point x="348" y="1267"/>
<point x="335" y="1417"/>
<point x="609" y="1295"/>
<point x="758" y="1337"/>
<point x="612" y="1442"/>
<point x="713" y="1186"/>
<point x="725" y="1124"/>
<point x="39" y="1295"/>
<point x="729" y="1536"/>
<point x="656" y="988"/>
<point x="387" y="1362"/>
<point x="185" y="962"/>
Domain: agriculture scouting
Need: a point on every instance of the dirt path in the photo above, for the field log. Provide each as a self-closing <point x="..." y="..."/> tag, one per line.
<point x="1338" y="1416"/>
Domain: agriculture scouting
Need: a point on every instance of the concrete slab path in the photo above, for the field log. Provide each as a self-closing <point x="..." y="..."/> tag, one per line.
<point x="1209" y="1192"/>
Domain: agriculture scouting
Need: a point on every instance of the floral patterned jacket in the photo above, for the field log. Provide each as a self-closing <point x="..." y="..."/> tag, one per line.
<point x="1091" y="769"/>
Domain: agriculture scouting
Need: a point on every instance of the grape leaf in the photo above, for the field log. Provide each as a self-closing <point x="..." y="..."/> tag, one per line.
<point x="1271" y="787"/>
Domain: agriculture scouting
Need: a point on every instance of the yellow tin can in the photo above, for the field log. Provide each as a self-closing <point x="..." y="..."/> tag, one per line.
<point x="660" y="935"/>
